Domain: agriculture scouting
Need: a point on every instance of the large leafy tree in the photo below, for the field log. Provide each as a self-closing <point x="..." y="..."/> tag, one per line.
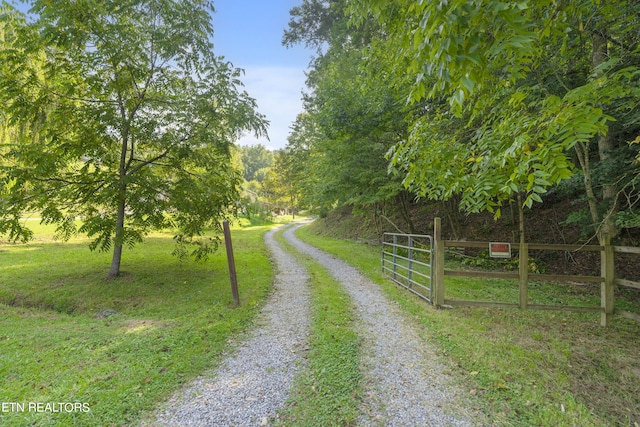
<point x="282" y="183"/>
<point x="303" y="136"/>
<point x="513" y="89"/>
<point x="255" y="161"/>
<point x="354" y="111"/>
<point x="127" y="119"/>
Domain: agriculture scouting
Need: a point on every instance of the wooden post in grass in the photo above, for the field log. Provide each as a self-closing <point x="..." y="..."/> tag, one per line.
<point x="607" y="287"/>
<point x="232" y="263"/>
<point x="524" y="274"/>
<point x="438" y="272"/>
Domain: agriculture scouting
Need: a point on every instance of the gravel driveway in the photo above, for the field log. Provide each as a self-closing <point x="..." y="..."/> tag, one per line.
<point x="254" y="382"/>
<point x="404" y="384"/>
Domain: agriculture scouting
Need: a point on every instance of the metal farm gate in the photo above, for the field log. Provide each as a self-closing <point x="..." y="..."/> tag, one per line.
<point x="416" y="262"/>
<point x="408" y="259"/>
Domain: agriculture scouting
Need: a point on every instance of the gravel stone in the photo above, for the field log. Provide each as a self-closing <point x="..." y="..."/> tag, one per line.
<point x="254" y="382"/>
<point x="405" y="384"/>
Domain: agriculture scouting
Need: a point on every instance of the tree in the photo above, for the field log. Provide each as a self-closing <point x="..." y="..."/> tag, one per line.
<point x="254" y="159"/>
<point x="300" y="141"/>
<point x="354" y="112"/>
<point x="129" y="118"/>
<point x="282" y="184"/>
<point x="316" y="23"/>
<point x="513" y="88"/>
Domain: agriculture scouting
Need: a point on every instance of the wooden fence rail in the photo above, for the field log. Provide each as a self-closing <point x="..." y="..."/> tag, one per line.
<point x="607" y="278"/>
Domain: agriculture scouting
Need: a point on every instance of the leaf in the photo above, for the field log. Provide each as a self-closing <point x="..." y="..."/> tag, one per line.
<point x="468" y="84"/>
<point x="535" y="197"/>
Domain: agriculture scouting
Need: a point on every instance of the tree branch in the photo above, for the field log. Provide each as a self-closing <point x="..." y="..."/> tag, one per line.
<point x="69" y="182"/>
<point x="610" y="39"/>
<point x="90" y="101"/>
<point x="144" y="163"/>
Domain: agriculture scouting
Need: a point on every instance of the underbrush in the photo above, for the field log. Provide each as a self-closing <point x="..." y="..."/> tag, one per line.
<point x="117" y="347"/>
<point x="522" y="367"/>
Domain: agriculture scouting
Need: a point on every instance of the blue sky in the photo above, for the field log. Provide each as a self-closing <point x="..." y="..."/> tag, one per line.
<point x="249" y="34"/>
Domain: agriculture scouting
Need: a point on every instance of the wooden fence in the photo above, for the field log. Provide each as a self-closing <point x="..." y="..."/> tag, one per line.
<point x="607" y="278"/>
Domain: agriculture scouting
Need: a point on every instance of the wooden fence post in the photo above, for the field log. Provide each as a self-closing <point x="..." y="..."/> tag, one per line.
<point x="607" y="268"/>
<point x="438" y="274"/>
<point x="232" y="264"/>
<point x="524" y="274"/>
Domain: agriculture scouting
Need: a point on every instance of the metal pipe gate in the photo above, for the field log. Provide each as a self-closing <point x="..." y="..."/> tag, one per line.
<point x="408" y="259"/>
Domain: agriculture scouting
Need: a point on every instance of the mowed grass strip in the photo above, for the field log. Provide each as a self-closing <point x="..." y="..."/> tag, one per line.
<point x="329" y="393"/>
<point x="174" y="320"/>
<point x="521" y="367"/>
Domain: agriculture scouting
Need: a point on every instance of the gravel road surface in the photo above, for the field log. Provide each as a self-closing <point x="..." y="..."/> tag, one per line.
<point x="253" y="383"/>
<point x="404" y="383"/>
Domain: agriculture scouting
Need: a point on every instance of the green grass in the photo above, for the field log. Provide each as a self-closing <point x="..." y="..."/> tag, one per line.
<point x="174" y="321"/>
<point x="522" y="367"/>
<point x="327" y="394"/>
<point x="507" y="290"/>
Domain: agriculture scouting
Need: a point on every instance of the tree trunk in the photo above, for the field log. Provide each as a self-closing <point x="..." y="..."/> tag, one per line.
<point x="403" y="201"/>
<point x="609" y="189"/>
<point x="521" y="219"/>
<point x="114" y="271"/>
<point x="451" y="211"/>
<point x="606" y="144"/>
<point x="582" y="151"/>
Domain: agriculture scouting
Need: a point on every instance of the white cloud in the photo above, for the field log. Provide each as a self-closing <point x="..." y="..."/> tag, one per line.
<point x="278" y="91"/>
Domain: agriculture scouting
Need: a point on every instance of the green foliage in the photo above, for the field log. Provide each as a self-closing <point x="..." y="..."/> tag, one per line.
<point x="353" y="116"/>
<point x="315" y="22"/>
<point x="628" y="219"/>
<point x="255" y="210"/>
<point x="485" y="262"/>
<point x="126" y="120"/>
<point x="507" y="90"/>
<point x="256" y="160"/>
<point x="282" y="185"/>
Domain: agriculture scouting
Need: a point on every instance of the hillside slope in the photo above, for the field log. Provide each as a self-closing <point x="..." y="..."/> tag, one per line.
<point x="544" y="224"/>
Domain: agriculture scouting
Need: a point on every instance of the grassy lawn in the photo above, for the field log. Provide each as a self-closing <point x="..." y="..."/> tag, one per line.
<point x="522" y="367"/>
<point x="174" y="320"/>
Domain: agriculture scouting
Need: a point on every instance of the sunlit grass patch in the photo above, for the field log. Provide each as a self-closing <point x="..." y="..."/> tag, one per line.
<point x="120" y="346"/>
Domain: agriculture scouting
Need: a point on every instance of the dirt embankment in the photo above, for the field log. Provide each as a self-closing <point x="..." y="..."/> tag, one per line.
<point x="544" y="224"/>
